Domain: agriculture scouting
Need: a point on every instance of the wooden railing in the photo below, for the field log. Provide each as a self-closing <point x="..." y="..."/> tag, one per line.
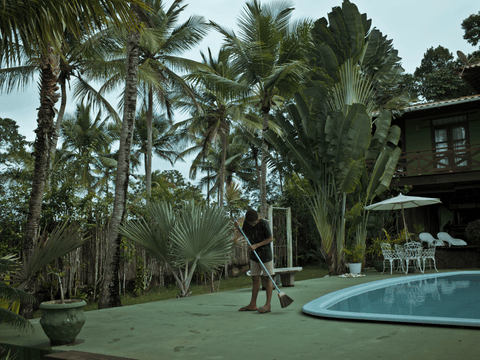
<point x="433" y="161"/>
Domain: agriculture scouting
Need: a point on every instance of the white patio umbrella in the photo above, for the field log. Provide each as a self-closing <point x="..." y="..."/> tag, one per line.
<point x="403" y="202"/>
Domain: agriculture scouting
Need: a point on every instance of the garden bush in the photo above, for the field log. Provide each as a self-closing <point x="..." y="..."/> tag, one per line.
<point x="473" y="232"/>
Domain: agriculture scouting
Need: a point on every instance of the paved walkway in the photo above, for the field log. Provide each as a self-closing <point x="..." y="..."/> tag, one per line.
<point x="210" y="327"/>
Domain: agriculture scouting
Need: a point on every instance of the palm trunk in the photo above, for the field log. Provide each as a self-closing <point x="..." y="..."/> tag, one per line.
<point x="44" y="131"/>
<point x="58" y="123"/>
<point x="148" y="160"/>
<point x="221" y="185"/>
<point x="109" y="296"/>
<point x="263" y="170"/>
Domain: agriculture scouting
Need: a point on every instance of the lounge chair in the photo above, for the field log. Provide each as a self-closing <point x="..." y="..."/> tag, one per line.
<point x="429" y="239"/>
<point x="450" y="240"/>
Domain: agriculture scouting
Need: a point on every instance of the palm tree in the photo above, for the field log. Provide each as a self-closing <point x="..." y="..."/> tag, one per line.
<point x="166" y="141"/>
<point x="162" y="58"/>
<point x="82" y="56"/>
<point x="41" y="24"/>
<point x="109" y="296"/>
<point x="162" y="43"/>
<point x="85" y="141"/>
<point x="269" y="52"/>
<point x="222" y="99"/>
<point x="237" y="163"/>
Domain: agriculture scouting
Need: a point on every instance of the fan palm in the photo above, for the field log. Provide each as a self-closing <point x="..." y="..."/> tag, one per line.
<point x="63" y="239"/>
<point x="269" y="52"/>
<point x="196" y="238"/>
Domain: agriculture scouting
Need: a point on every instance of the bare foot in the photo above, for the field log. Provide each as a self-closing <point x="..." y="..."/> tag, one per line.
<point x="247" y="308"/>
<point x="264" y="309"/>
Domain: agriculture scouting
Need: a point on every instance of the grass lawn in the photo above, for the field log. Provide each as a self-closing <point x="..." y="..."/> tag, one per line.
<point x="233" y="283"/>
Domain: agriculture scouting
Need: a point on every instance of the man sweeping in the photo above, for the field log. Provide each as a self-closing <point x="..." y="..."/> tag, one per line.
<point x="260" y="236"/>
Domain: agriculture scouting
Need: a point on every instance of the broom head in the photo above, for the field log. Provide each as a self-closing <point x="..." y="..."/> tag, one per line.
<point x="285" y="300"/>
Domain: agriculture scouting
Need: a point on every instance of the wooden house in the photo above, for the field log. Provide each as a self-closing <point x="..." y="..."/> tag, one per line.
<point x="441" y="158"/>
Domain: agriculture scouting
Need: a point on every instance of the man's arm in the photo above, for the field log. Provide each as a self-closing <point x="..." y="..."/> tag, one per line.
<point x="262" y="243"/>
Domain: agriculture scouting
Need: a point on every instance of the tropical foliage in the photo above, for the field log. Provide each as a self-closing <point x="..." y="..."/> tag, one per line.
<point x="269" y="53"/>
<point x="194" y="238"/>
<point x="309" y="102"/>
<point x="329" y="138"/>
<point x="10" y="296"/>
<point x="435" y="79"/>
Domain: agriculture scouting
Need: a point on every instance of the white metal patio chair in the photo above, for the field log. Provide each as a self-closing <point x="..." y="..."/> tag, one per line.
<point x="411" y="251"/>
<point x="429" y="253"/>
<point x="390" y="255"/>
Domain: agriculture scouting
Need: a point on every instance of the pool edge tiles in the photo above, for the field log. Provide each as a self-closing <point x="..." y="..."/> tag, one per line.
<point x="320" y="306"/>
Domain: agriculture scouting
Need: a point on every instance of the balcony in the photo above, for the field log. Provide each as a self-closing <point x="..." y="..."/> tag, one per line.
<point x="460" y="163"/>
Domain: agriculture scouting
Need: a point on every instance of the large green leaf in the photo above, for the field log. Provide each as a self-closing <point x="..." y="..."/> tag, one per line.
<point x="62" y="240"/>
<point x="196" y="237"/>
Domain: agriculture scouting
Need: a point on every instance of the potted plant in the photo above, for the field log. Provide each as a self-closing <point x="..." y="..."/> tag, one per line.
<point x="354" y="258"/>
<point x="59" y="242"/>
<point x="62" y="320"/>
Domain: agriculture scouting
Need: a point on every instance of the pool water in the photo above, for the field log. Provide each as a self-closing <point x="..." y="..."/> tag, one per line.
<point x="446" y="298"/>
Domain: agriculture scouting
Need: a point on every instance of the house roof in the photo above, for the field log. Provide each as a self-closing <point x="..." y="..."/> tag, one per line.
<point x="436" y="104"/>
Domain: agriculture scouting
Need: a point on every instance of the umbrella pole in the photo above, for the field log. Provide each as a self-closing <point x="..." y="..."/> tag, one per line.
<point x="404" y="224"/>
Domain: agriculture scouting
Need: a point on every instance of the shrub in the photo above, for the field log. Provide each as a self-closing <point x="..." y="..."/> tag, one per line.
<point x="473" y="232"/>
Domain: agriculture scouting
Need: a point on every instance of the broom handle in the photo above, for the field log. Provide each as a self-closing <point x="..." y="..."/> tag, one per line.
<point x="258" y="257"/>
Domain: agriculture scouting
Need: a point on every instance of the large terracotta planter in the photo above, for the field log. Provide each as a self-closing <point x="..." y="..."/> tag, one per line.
<point x="62" y="322"/>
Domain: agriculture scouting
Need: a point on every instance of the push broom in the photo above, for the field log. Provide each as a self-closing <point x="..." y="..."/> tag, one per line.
<point x="285" y="300"/>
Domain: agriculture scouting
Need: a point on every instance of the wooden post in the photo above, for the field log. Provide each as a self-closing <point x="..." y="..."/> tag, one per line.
<point x="289" y="238"/>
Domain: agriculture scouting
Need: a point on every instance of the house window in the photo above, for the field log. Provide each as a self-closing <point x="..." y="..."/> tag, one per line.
<point x="450" y="142"/>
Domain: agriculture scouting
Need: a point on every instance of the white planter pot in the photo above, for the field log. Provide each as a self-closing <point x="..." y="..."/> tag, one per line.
<point x="355" y="268"/>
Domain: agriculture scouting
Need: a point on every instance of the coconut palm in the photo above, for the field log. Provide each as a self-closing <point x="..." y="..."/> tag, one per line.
<point x="269" y="51"/>
<point x="195" y="239"/>
<point x="162" y="42"/>
<point x="165" y="141"/>
<point x="238" y="164"/>
<point x="85" y="140"/>
<point x="41" y="24"/>
<point x="162" y="57"/>
<point x="223" y="100"/>
<point x="82" y="56"/>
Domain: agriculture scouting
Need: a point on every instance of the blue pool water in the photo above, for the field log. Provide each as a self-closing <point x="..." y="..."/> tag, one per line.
<point x="447" y="299"/>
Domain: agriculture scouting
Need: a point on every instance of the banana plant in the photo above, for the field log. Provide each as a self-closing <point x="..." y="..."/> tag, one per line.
<point x="359" y="64"/>
<point x="331" y="149"/>
<point x="196" y="238"/>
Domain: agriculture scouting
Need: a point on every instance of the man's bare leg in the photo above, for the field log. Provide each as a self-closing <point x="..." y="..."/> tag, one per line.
<point x="269" y="289"/>
<point x="255" y="289"/>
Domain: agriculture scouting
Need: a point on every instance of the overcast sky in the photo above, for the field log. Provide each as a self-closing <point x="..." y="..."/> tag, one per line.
<point x="414" y="26"/>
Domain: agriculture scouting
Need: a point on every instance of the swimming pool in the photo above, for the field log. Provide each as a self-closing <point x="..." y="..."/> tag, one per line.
<point x="442" y="298"/>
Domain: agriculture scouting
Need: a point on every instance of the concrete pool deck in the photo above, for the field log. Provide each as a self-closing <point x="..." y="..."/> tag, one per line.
<point x="210" y="327"/>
